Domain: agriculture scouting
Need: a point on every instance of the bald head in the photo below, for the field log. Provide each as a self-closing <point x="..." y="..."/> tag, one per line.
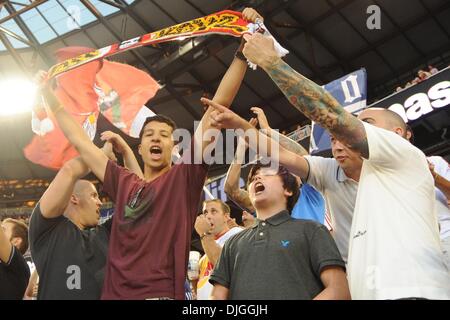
<point x="384" y="118"/>
<point x="84" y="206"/>
<point x="82" y="186"/>
<point x="395" y="119"/>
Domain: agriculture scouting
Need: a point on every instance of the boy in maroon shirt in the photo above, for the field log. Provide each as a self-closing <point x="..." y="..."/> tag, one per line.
<point x="154" y="216"/>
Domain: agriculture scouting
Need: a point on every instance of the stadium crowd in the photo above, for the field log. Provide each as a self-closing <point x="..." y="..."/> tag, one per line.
<point x="373" y="222"/>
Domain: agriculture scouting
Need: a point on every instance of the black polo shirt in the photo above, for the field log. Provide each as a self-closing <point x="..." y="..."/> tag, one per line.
<point x="280" y="258"/>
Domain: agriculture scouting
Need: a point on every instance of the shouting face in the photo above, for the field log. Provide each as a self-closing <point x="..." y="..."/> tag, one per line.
<point x="157" y="145"/>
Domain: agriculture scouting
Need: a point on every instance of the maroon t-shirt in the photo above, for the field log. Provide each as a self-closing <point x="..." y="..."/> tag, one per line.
<point x="151" y="231"/>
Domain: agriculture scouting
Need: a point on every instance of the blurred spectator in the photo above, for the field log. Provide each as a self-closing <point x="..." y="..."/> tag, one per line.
<point x="423" y="75"/>
<point x="432" y="69"/>
<point x="440" y="170"/>
<point x="188" y="293"/>
<point x="416" y="80"/>
<point x="33" y="287"/>
<point x="14" y="271"/>
<point x="212" y="227"/>
<point x="248" y="219"/>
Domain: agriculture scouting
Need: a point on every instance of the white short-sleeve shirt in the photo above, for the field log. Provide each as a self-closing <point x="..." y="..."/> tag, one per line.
<point x="394" y="247"/>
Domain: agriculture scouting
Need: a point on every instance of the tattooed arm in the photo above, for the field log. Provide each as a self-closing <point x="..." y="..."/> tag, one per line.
<point x="309" y="98"/>
<point x="223" y="117"/>
<point x="236" y="194"/>
<point x="288" y="143"/>
<point x="231" y="188"/>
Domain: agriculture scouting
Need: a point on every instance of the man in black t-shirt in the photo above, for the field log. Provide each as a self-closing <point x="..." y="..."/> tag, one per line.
<point x="279" y="257"/>
<point x="68" y="246"/>
<point x="14" y="271"/>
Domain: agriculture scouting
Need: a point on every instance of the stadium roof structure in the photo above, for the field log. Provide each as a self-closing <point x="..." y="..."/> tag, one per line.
<point x="326" y="39"/>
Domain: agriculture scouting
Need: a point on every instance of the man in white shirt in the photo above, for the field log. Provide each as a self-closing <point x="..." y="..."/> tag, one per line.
<point x="212" y="227"/>
<point x="394" y="249"/>
<point x="394" y="243"/>
<point x="440" y="170"/>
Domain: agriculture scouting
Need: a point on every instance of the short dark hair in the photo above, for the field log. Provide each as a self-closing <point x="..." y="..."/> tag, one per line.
<point x="19" y="230"/>
<point x="289" y="182"/>
<point x="158" y="118"/>
<point x="225" y="208"/>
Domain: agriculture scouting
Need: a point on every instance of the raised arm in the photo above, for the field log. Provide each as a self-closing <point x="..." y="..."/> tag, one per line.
<point x="226" y="92"/>
<point x="232" y="189"/>
<point x="440" y="181"/>
<point x="309" y="98"/>
<point x="224" y="118"/>
<point x="95" y="159"/>
<point x="57" y="196"/>
<point x="229" y="86"/>
<point x="442" y="184"/>
<point x="211" y="248"/>
<point x="238" y="195"/>
<point x="284" y="141"/>
<point x="119" y="144"/>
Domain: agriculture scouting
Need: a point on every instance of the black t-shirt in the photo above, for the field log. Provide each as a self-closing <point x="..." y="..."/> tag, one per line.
<point x="14" y="277"/>
<point x="280" y="258"/>
<point x="70" y="262"/>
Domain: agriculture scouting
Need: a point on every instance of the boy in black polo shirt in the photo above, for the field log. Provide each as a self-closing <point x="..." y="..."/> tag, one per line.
<point x="279" y="257"/>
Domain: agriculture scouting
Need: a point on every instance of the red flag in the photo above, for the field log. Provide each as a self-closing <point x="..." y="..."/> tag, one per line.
<point x="51" y="149"/>
<point x="122" y="99"/>
<point x="117" y="90"/>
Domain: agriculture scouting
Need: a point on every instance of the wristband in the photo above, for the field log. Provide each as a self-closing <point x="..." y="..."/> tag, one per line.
<point x="204" y="235"/>
<point x="240" y="56"/>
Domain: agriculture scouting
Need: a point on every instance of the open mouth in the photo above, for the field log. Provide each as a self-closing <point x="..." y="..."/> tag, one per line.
<point x="155" y="150"/>
<point x="259" y="187"/>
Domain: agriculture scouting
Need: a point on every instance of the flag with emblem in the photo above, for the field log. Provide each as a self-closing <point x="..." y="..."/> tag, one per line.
<point x="118" y="91"/>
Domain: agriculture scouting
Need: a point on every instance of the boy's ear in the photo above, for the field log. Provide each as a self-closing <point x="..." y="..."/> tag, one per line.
<point x="288" y="193"/>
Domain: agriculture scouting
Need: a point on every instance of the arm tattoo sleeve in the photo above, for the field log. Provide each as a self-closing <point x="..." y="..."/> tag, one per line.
<point x="318" y="105"/>
<point x="289" y="144"/>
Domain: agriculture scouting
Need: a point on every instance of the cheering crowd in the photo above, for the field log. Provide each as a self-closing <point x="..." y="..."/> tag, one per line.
<point x="388" y="238"/>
